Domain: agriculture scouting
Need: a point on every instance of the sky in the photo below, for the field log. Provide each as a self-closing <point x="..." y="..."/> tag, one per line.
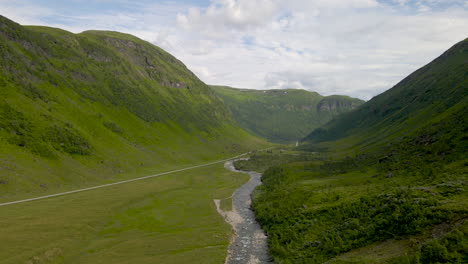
<point x="358" y="48"/>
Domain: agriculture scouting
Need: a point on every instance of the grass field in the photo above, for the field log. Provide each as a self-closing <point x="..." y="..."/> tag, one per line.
<point x="167" y="219"/>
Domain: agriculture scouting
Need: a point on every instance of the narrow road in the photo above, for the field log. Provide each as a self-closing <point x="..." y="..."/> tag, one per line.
<point x="120" y="182"/>
<point x="249" y="244"/>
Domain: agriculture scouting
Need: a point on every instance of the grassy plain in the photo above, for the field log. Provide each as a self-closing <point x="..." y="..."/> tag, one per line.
<point x="168" y="219"/>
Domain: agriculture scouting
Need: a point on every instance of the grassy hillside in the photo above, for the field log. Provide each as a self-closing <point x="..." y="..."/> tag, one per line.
<point x="391" y="189"/>
<point x="283" y="116"/>
<point x="422" y="96"/>
<point x="79" y="109"/>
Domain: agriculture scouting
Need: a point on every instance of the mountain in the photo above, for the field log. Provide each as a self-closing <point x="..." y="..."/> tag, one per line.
<point x="384" y="183"/>
<point x="426" y="96"/>
<point x="283" y="116"/>
<point x="81" y="108"/>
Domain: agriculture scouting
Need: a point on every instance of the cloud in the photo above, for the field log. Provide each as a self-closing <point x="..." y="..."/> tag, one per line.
<point x="328" y="83"/>
<point x="31" y="15"/>
<point x="358" y="48"/>
<point x="235" y="14"/>
<point x="354" y="47"/>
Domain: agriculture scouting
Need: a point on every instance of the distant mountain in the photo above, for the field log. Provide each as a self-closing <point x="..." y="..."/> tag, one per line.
<point x="77" y="108"/>
<point x="283" y="115"/>
<point x="429" y="95"/>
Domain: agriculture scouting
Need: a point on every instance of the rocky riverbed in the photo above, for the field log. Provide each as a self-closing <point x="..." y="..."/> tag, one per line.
<point x="249" y="242"/>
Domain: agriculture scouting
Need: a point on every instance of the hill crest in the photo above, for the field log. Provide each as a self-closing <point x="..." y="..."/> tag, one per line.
<point x="282" y="115"/>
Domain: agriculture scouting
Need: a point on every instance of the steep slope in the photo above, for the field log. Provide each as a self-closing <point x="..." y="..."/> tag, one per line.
<point x="389" y="184"/>
<point x="283" y="115"/>
<point x="422" y="96"/>
<point x="79" y="108"/>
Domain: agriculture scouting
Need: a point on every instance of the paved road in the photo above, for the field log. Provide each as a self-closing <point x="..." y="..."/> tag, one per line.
<point x="121" y="182"/>
<point x="249" y="244"/>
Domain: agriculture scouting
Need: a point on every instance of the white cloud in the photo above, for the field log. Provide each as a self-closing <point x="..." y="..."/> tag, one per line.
<point x="353" y="47"/>
<point x="359" y="48"/>
<point x="239" y="14"/>
<point x="31" y="15"/>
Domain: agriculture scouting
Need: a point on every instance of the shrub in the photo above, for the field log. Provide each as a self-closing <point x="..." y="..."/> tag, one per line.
<point x="67" y="140"/>
<point x="434" y="252"/>
<point x="113" y="127"/>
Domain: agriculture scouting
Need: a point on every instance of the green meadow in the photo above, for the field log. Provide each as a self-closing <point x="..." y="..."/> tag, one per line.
<point x="167" y="219"/>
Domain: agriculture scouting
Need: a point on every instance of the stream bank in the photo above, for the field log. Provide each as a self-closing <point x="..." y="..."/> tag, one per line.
<point x="249" y="242"/>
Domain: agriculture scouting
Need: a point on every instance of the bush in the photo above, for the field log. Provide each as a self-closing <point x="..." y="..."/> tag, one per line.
<point x="113" y="127"/>
<point x="434" y="252"/>
<point x="315" y="235"/>
<point x="405" y="260"/>
<point x="67" y="140"/>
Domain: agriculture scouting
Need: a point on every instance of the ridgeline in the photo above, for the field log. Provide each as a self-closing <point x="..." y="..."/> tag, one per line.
<point x="79" y="109"/>
<point x="283" y="116"/>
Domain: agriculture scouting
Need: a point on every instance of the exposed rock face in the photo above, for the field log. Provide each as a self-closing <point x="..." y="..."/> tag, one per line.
<point x="336" y="104"/>
<point x="121" y="43"/>
<point x="173" y="84"/>
<point x="144" y="57"/>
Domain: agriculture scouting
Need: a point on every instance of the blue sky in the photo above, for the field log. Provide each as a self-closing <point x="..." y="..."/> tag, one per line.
<point x="354" y="47"/>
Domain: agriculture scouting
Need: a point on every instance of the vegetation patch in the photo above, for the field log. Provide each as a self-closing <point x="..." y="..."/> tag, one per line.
<point x="262" y="160"/>
<point x="316" y="207"/>
<point x="113" y="127"/>
<point x="66" y="139"/>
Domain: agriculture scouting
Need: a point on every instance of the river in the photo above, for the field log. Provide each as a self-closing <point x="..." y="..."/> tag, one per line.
<point x="249" y="242"/>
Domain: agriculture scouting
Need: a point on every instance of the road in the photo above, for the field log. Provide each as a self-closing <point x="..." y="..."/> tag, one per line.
<point x="120" y="182"/>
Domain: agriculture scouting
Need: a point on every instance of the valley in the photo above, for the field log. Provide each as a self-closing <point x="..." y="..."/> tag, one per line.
<point x="283" y="115"/>
<point x="113" y="151"/>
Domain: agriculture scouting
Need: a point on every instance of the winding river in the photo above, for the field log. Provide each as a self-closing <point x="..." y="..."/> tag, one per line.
<point x="249" y="242"/>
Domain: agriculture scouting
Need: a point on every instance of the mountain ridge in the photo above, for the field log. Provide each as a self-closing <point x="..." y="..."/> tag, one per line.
<point x="82" y="108"/>
<point x="426" y="92"/>
<point x="282" y="115"/>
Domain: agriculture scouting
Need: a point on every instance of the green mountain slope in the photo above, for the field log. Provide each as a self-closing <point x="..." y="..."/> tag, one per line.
<point x="386" y="183"/>
<point x="77" y="109"/>
<point x="283" y="115"/>
<point x="422" y="96"/>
